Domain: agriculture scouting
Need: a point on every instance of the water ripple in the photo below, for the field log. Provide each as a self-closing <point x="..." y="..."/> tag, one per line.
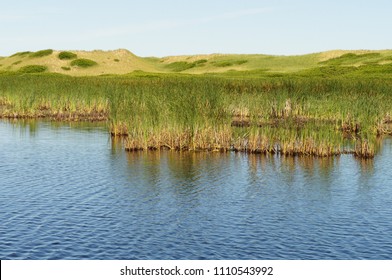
<point x="67" y="194"/>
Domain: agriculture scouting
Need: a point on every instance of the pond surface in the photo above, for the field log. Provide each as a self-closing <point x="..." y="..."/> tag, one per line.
<point x="67" y="191"/>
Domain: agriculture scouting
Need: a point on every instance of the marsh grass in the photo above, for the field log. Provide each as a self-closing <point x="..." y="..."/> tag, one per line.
<point x="289" y="115"/>
<point x="285" y="116"/>
<point x="51" y="96"/>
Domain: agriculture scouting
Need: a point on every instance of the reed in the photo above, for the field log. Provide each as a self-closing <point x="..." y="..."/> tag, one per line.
<point x="288" y="115"/>
<point x="49" y="96"/>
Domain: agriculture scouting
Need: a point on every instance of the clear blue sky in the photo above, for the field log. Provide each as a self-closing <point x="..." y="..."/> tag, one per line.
<point x="173" y="27"/>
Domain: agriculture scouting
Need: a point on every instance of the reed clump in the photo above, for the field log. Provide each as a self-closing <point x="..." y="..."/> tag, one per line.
<point x="384" y="126"/>
<point x="364" y="149"/>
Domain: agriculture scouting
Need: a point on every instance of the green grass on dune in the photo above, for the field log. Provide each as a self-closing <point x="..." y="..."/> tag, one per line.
<point x="126" y="62"/>
<point x="180" y="66"/>
<point x="352" y="58"/>
<point x="41" y="53"/>
<point x="83" y="63"/>
<point x="65" y="55"/>
<point x="21" y="54"/>
<point x="227" y="63"/>
<point x="33" y="69"/>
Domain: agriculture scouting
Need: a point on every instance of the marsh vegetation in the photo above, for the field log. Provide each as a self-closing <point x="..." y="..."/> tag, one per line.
<point x="289" y="114"/>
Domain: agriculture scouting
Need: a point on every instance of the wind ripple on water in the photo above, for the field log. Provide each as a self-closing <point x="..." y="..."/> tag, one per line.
<point x="68" y="194"/>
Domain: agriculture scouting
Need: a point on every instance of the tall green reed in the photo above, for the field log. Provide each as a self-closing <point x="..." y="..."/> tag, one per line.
<point x="287" y="114"/>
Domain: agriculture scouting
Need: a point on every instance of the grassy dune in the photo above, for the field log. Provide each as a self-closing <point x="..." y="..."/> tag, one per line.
<point x="123" y="62"/>
<point x="107" y="62"/>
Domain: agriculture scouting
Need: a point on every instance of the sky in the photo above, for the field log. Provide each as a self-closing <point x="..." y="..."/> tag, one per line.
<point x="174" y="27"/>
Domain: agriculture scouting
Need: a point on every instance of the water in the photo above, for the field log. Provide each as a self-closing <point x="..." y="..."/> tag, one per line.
<point x="68" y="192"/>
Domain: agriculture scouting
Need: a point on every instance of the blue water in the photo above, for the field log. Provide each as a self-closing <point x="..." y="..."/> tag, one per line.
<point x="67" y="191"/>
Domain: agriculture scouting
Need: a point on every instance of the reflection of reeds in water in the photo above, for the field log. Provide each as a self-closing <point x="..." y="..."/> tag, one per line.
<point x="284" y="115"/>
